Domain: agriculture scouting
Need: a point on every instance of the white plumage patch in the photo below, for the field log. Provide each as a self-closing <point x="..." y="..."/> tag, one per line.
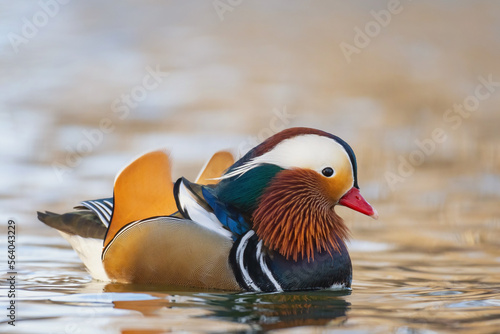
<point x="304" y="151"/>
<point x="338" y="286"/>
<point x="89" y="250"/>
<point x="198" y="214"/>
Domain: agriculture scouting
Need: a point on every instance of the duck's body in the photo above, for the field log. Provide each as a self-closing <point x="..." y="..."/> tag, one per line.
<point x="264" y="223"/>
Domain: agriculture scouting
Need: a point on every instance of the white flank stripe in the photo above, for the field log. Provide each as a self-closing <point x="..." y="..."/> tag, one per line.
<point x="265" y="268"/>
<point x="132" y="224"/>
<point x="240" y="251"/>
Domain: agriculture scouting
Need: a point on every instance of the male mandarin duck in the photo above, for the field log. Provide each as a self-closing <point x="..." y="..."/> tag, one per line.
<point x="264" y="223"/>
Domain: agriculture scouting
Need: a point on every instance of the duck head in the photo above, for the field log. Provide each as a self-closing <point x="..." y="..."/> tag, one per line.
<point x="289" y="186"/>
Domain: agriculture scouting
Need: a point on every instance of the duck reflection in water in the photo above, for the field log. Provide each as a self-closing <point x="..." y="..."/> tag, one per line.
<point x="260" y="311"/>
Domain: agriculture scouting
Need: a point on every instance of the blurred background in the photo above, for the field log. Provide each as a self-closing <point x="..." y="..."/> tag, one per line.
<point x="228" y="75"/>
<point x="412" y="86"/>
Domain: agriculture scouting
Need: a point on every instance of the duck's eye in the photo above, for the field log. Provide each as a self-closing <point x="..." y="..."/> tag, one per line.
<point x="328" y="171"/>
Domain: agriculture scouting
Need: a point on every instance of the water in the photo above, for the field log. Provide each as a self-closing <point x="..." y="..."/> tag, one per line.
<point x="431" y="264"/>
<point x="403" y="289"/>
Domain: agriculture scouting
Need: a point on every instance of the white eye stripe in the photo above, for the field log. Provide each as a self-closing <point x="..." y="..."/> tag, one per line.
<point x="304" y="151"/>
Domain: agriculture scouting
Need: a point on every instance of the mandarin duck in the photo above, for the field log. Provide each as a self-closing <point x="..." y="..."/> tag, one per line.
<point x="266" y="222"/>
